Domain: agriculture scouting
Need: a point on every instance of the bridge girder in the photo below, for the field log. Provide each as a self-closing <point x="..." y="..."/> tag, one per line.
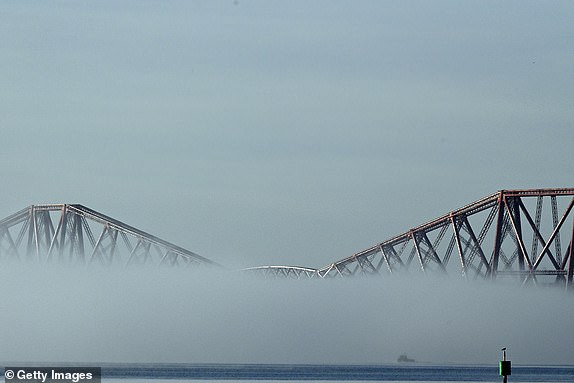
<point x="512" y="233"/>
<point x="291" y="272"/>
<point x="75" y="234"/>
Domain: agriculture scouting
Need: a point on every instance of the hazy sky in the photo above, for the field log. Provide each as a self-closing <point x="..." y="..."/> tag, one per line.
<point x="282" y="132"/>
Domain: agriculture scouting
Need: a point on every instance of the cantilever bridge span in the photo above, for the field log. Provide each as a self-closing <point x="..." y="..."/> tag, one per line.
<point x="516" y="234"/>
<point x="525" y="234"/>
<point x="75" y="234"/>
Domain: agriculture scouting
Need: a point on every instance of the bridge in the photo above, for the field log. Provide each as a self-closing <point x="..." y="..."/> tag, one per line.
<point x="75" y="234"/>
<point x="514" y="234"/>
<point x="509" y="234"/>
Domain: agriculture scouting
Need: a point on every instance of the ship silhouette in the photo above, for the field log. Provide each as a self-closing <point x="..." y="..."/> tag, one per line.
<point x="405" y="359"/>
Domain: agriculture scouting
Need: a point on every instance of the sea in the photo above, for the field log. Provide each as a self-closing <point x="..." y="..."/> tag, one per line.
<point x="308" y="373"/>
<point x="401" y="372"/>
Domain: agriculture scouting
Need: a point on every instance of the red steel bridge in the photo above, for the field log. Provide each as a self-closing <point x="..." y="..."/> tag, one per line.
<point x="75" y="234"/>
<point x="525" y="235"/>
<point x="517" y="234"/>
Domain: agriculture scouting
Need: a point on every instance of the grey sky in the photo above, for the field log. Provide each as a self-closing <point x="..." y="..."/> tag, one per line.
<point x="269" y="132"/>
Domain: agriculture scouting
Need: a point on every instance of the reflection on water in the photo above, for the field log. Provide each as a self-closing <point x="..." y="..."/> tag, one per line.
<point x="320" y="373"/>
<point x="243" y="381"/>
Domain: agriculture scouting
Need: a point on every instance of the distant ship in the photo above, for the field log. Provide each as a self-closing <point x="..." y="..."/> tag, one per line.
<point x="405" y="359"/>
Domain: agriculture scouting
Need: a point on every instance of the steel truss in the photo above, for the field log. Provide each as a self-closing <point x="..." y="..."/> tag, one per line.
<point x="292" y="272"/>
<point x="75" y="234"/>
<point x="512" y="233"/>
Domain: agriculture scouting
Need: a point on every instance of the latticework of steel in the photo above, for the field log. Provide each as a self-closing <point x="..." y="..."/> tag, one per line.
<point x="75" y="234"/>
<point x="293" y="272"/>
<point x="512" y="233"/>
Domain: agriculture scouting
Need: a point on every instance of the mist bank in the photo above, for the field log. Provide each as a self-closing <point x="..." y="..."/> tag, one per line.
<point x="64" y="314"/>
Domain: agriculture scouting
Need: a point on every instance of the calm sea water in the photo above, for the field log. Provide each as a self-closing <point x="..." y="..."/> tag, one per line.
<point x="225" y="373"/>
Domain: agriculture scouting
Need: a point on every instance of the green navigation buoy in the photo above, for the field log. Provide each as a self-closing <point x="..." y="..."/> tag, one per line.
<point x="505" y="366"/>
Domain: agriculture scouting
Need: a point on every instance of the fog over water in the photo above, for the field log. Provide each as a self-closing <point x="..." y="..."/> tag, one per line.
<point x="70" y="315"/>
